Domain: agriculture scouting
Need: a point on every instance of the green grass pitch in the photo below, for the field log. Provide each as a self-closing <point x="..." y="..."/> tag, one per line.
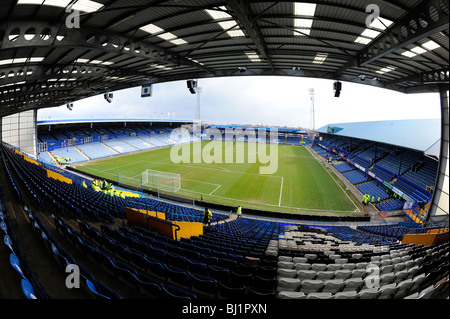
<point x="301" y="183"/>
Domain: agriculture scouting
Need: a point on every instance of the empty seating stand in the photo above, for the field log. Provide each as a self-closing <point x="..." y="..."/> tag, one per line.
<point x="313" y="263"/>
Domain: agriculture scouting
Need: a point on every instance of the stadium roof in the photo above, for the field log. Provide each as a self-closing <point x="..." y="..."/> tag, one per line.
<point x="419" y="135"/>
<point x="50" y="55"/>
<point x="83" y="121"/>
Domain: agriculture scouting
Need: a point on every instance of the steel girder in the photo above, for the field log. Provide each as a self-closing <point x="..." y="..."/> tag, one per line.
<point x="242" y="11"/>
<point x="429" y="18"/>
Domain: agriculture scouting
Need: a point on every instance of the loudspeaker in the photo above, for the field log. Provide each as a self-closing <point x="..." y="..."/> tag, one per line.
<point x="109" y="97"/>
<point x="192" y="85"/>
<point x="337" y="86"/>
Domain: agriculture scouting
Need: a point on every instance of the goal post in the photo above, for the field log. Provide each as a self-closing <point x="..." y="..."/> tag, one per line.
<point x="161" y="180"/>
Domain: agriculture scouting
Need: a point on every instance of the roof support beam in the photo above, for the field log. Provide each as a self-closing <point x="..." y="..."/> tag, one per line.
<point x="242" y="12"/>
<point x="430" y="77"/>
<point x="427" y="19"/>
<point x="47" y="35"/>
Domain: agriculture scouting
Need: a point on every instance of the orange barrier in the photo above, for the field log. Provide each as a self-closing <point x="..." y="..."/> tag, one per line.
<point x="57" y="176"/>
<point x="188" y="229"/>
<point x="157" y="221"/>
<point x="425" y="239"/>
<point x="139" y="216"/>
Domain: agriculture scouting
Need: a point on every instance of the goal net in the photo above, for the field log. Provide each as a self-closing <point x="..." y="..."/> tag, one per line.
<point x="161" y="180"/>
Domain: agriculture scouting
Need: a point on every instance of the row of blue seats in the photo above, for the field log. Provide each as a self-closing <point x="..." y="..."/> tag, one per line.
<point x="360" y="237"/>
<point x="78" y="200"/>
<point x="356" y="177"/>
<point x="394" y="231"/>
<point x="392" y="165"/>
<point x="24" y="275"/>
<point x="93" y="287"/>
<point x="343" y="167"/>
<point x="173" y="212"/>
<point x="173" y="262"/>
<point x="123" y="270"/>
<point x="390" y="205"/>
<point x="373" y="188"/>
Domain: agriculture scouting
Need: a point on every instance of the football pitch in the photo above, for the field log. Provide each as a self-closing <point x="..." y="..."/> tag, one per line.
<point x="301" y="184"/>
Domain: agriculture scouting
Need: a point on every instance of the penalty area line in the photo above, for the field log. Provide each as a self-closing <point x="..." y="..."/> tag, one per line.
<point x="281" y="191"/>
<point x="215" y="189"/>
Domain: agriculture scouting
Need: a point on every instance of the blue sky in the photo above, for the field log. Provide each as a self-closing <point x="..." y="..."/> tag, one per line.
<point x="254" y="100"/>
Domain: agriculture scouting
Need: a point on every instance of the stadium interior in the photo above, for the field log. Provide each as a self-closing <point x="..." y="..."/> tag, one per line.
<point x="64" y="229"/>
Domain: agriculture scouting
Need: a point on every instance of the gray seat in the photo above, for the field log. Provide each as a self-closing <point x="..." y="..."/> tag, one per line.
<point x="311" y="256"/>
<point x="412" y="272"/>
<point x="319" y="295"/>
<point x="325" y="275"/>
<point x="403" y="288"/>
<point x="291" y="295"/>
<point x="302" y="266"/>
<point x="341" y="260"/>
<point x="362" y="265"/>
<point x="299" y="260"/>
<point x="427" y="292"/>
<point x="400" y="276"/>
<point x="371" y="293"/>
<point x="288" y="284"/>
<point x="306" y="274"/>
<point x="387" y="279"/>
<point x="359" y="273"/>
<point x="399" y="267"/>
<point x="308" y="286"/>
<point x="318" y="267"/>
<point x="284" y="258"/>
<point x="334" y="267"/>
<point x="333" y="285"/>
<point x="349" y="266"/>
<point x="342" y="274"/>
<point x="353" y="284"/>
<point x="388" y="291"/>
<point x="286" y="264"/>
<point x="386" y="262"/>
<point x="346" y="295"/>
<point x="417" y="283"/>
<point x="386" y="269"/>
<point x="289" y="273"/>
